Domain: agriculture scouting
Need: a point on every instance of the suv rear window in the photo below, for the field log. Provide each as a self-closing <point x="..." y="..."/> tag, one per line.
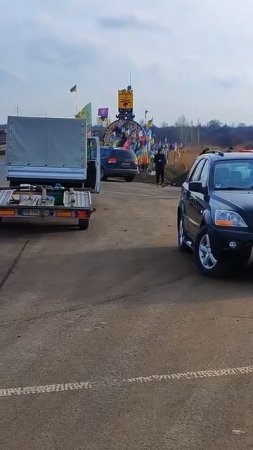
<point x="123" y="155"/>
<point x="105" y="152"/>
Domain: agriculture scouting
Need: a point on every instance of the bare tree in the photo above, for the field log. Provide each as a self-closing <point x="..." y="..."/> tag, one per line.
<point x="182" y="125"/>
<point x="181" y="122"/>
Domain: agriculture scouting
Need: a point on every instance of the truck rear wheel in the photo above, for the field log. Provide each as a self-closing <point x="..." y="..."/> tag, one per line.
<point x="84" y="224"/>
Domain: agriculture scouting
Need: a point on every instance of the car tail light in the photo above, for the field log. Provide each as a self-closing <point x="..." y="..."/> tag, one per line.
<point x="112" y="160"/>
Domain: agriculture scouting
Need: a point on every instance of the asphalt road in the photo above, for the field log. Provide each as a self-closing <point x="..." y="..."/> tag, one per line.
<point x="111" y="340"/>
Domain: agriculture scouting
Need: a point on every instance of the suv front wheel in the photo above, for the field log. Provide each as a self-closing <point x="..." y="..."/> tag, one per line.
<point x="181" y="238"/>
<point x="205" y="260"/>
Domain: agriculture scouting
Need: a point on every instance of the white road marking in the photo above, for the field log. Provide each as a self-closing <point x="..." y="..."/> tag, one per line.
<point x="82" y="385"/>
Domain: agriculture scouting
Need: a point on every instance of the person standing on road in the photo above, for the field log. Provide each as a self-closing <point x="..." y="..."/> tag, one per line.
<point x="160" y="163"/>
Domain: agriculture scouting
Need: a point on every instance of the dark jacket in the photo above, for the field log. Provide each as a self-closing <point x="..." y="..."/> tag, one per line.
<point x="160" y="161"/>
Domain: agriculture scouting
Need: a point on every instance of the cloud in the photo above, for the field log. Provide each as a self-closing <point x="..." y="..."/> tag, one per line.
<point x="185" y="57"/>
<point x="229" y="82"/>
<point x="58" y="52"/>
<point x="129" y="22"/>
<point x="7" y="78"/>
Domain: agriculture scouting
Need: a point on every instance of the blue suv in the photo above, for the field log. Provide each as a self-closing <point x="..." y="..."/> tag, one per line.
<point x="215" y="211"/>
<point x="118" y="162"/>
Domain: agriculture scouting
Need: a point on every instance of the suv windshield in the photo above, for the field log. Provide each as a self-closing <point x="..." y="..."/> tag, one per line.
<point x="234" y="175"/>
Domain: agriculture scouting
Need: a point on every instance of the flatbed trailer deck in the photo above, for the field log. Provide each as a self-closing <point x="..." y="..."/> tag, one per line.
<point x="40" y="202"/>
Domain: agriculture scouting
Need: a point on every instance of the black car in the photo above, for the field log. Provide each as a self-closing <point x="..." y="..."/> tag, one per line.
<point x="215" y="212"/>
<point x="118" y="162"/>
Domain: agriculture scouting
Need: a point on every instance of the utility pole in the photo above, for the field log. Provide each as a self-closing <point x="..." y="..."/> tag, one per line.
<point x="17" y="110"/>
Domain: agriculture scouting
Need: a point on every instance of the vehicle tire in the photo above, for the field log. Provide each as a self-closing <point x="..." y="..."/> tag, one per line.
<point x="84" y="224"/>
<point x="207" y="264"/>
<point x="183" y="247"/>
<point x="129" y="179"/>
<point x="103" y="177"/>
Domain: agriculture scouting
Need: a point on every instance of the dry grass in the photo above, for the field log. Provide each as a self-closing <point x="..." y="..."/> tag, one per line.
<point x="183" y="159"/>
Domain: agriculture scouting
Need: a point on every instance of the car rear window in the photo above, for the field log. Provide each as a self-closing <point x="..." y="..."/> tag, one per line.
<point x="123" y="155"/>
<point x="105" y="152"/>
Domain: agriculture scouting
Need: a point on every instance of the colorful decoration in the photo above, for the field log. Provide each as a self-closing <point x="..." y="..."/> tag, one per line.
<point x="103" y="113"/>
<point x="128" y="134"/>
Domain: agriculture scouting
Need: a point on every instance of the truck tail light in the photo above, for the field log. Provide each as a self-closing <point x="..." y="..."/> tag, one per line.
<point x="63" y="213"/>
<point x="7" y="212"/>
<point x="112" y="160"/>
<point x="83" y="214"/>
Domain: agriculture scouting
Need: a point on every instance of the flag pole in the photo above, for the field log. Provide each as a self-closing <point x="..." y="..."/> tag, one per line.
<point x="145" y="117"/>
<point x="76" y="102"/>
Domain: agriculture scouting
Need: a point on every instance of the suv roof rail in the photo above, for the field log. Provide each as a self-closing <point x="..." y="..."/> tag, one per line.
<point x="216" y="152"/>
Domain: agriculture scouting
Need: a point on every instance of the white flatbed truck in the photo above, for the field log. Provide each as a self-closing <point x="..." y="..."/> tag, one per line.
<point x="52" y="169"/>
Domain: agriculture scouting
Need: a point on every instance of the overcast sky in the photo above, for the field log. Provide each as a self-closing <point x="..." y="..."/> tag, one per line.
<point x="191" y="57"/>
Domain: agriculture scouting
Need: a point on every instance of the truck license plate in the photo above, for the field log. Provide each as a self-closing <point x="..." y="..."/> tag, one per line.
<point x="35" y="213"/>
<point x="30" y="212"/>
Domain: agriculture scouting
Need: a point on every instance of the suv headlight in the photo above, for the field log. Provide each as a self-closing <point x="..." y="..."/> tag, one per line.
<point x="225" y="218"/>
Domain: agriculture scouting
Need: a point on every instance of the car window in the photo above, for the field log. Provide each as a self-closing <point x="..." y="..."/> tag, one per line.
<point x="91" y="149"/>
<point x="123" y="155"/>
<point x="191" y="172"/>
<point x="196" y="173"/>
<point x="205" y="174"/>
<point x="244" y="169"/>
<point x="105" y="152"/>
<point x="235" y="174"/>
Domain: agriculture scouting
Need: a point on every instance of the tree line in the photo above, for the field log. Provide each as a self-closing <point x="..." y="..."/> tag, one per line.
<point x="213" y="133"/>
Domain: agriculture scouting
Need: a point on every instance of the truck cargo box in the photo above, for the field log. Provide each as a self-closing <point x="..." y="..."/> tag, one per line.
<point x="46" y="149"/>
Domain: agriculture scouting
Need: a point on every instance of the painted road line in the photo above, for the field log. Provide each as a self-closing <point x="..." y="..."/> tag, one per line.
<point x="109" y="383"/>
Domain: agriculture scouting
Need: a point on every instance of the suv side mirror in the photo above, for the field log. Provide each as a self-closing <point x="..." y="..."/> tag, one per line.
<point x="196" y="186"/>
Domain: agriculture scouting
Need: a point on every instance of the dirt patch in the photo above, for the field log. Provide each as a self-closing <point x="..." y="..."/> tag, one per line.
<point x="145" y="177"/>
<point x="178" y="181"/>
<point x="174" y="176"/>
